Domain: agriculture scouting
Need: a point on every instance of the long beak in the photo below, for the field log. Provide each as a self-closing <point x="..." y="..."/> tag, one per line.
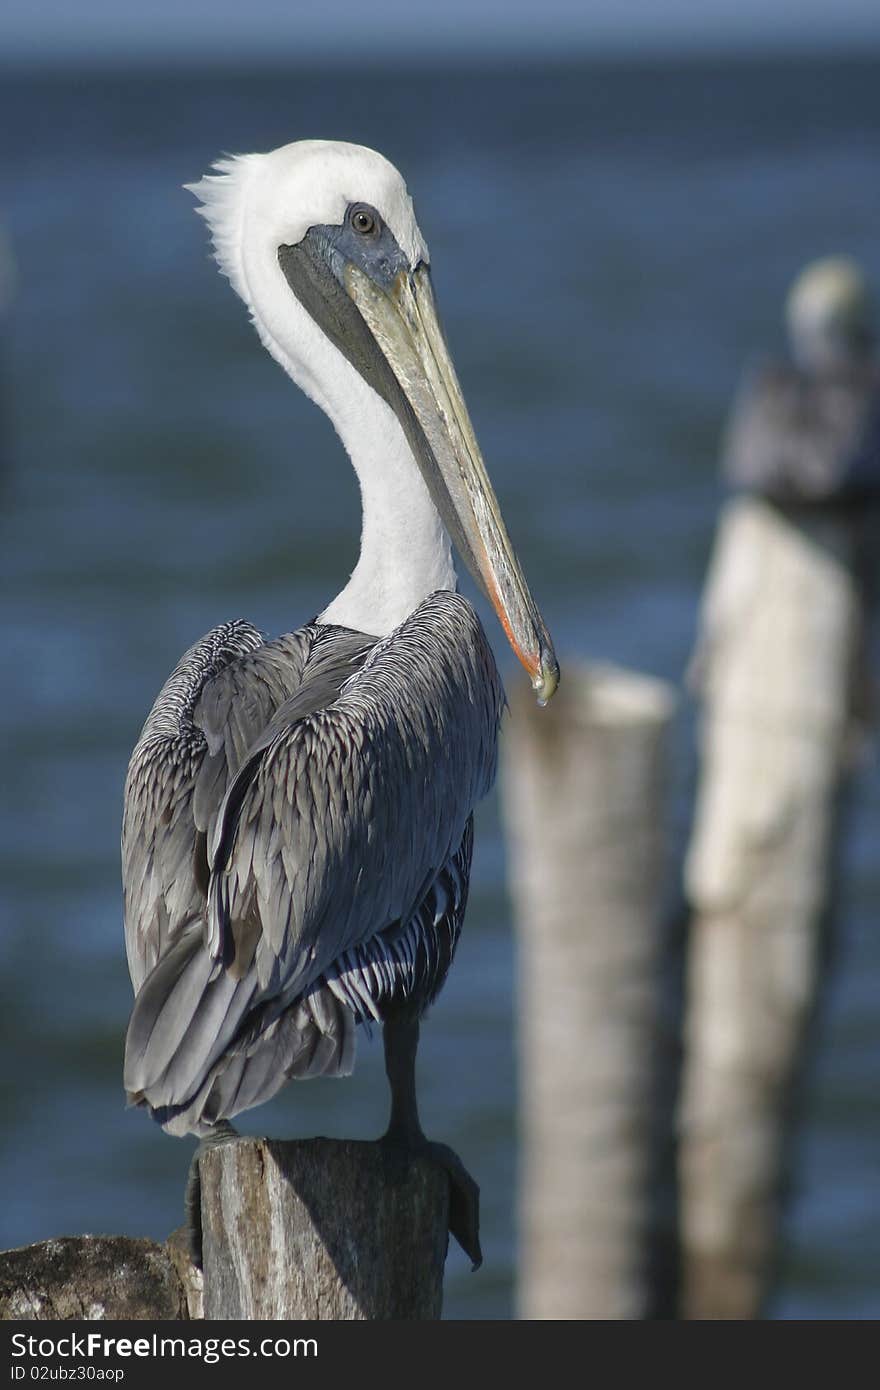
<point x="403" y="321"/>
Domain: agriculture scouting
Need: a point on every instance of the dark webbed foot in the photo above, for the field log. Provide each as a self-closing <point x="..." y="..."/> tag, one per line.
<point x="464" y="1193"/>
<point x="192" y="1201"/>
<point x="404" y="1136"/>
<point x="464" y="1202"/>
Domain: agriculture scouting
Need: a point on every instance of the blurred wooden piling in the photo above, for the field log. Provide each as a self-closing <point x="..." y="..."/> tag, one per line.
<point x="313" y="1230"/>
<point x="780" y="669"/>
<point x="584" y="801"/>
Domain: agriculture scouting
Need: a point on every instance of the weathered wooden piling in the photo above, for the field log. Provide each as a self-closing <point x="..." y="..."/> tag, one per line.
<point x="779" y="669"/>
<point x="97" y="1278"/>
<point x="322" y="1228"/>
<point x="316" y="1229"/>
<point x="584" y="801"/>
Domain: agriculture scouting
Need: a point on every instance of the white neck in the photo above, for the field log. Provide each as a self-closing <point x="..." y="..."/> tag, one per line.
<point x="405" y="550"/>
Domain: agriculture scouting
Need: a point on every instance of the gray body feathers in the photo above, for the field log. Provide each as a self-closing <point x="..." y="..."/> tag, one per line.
<point x="797" y="436"/>
<point x="296" y="848"/>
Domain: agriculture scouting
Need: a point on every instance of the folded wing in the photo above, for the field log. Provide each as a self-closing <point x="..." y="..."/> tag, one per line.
<point x="335" y="853"/>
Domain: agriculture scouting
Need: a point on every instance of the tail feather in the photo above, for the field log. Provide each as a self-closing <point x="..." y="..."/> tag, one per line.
<point x="182" y="1021"/>
<point x="198" y="1050"/>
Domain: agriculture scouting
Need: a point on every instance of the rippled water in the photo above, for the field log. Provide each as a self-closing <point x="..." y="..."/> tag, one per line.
<point x="609" y="246"/>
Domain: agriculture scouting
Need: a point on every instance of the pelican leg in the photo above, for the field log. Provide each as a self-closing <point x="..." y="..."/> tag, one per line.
<point x="404" y="1134"/>
<point x="192" y="1200"/>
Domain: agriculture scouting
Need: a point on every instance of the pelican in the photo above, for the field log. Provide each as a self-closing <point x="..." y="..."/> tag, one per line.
<point x="297" y="829"/>
<point x="808" y="430"/>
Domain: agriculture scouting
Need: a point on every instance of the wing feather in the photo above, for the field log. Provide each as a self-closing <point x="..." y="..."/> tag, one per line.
<point x="219" y="699"/>
<point x="161" y="885"/>
<point x="356" y="807"/>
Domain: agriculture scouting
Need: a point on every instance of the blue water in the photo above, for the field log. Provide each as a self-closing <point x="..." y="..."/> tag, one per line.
<point x="610" y="245"/>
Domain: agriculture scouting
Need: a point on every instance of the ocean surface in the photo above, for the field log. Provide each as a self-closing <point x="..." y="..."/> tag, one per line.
<point x="611" y="244"/>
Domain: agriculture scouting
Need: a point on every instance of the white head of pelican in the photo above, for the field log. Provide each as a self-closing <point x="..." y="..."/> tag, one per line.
<point x="829" y="315"/>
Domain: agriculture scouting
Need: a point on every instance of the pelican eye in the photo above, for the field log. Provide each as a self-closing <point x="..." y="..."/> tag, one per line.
<point x="364" y="221"/>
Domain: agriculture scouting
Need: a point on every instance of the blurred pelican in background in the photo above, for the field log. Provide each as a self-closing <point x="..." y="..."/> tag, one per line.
<point x="809" y="429"/>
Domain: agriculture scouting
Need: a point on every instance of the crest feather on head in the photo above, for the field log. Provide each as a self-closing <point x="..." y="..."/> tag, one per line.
<point x="223" y="195"/>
